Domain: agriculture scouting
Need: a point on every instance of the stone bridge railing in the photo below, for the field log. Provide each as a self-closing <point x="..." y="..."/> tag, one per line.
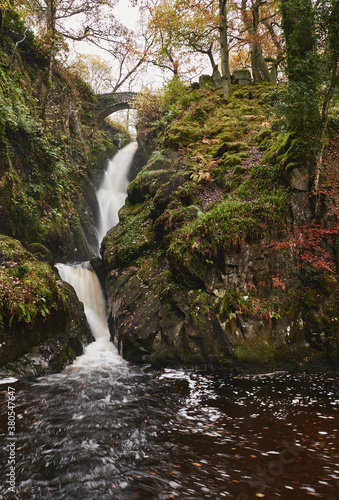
<point x="116" y="101"/>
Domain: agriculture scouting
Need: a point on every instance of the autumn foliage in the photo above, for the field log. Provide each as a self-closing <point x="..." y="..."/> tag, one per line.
<point x="314" y="244"/>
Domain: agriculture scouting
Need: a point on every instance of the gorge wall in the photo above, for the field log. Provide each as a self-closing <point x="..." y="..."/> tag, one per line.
<point x="52" y="154"/>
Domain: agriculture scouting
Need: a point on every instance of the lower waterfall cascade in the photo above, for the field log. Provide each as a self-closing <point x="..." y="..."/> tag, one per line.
<point x="88" y="288"/>
<point x="104" y="428"/>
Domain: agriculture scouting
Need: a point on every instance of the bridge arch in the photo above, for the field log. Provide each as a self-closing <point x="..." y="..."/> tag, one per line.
<point x="111" y="103"/>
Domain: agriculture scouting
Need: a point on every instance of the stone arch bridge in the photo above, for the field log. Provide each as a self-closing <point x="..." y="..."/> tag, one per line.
<point x="116" y="101"/>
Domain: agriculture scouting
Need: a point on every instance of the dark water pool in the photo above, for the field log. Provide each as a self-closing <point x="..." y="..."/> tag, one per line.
<point x="131" y="433"/>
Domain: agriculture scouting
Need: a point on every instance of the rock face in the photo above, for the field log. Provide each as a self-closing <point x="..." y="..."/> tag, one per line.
<point x="42" y="323"/>
<point x="171" y="316"/>
<point x="241" y="77"/>
<point x="195" y="276"/>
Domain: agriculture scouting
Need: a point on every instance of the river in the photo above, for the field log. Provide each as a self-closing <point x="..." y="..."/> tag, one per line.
<point x="107" y="429"/>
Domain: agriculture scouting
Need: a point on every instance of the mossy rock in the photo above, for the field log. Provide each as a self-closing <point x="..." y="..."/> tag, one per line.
<point x="222" y="149"/>
<point x="297" y="176"/>
<point x="157" y="172"/>
<point x="179" y="133"/>
<point x="260" y="353"/>
<point x="206" y="81"/>
<point x="200" y="115"/>
<point x="225" y="135"/>
<point x="129" y="239"/>
<point x="163" y="195"/>
<point x="147" y="184"/>
<point x="245" y="92"/>
<point x="238" y="171"/>
<point x="263" y="135"/>
<point x="236" y="147"/>
<point x="34" y="305"/>
<point x="232" y="160"/>
<point x="41" y="252"/>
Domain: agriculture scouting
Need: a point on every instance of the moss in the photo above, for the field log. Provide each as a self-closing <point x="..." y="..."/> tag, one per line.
<point x="224" y="135"/>
<point x="28" y="288"/>
<point x="232" y="160"/>
<point x="263" y="135"/>
<point x="184" y="134"/>
<point x="225" y="225"/>
<point x="243" y="92"/>
<point x="237" y="146"/>
<point x="260" y="353"/>
<point x="195" y="226"/>
<point x="46" y="150"/>
<point x="130" y="238"/>
<point x="34" y="305"/>
<point x="41" y="252"/>
<point x="158" y="170"/>
<point x="238" y="171"/>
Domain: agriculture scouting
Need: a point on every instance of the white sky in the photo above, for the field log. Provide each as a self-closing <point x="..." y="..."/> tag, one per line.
<point x="126" y="14"/>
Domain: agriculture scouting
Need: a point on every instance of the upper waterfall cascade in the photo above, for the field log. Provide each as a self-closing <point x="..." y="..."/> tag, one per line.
<point x="112" y="191"/>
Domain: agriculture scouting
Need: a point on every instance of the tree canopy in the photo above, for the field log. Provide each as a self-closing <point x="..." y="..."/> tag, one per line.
<point x="295" y="41"/>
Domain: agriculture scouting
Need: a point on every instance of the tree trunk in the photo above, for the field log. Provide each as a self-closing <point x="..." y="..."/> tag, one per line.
<point x="2" y="14"/>
<point x="299" y="31"/>
<point x="333" y="67"/>
<point x="274" y="68"/>
<point x="209" y="52"/>
<point x="277" y="41"/>
<point x="301" y="98"/>
<point x="224" y="55"/>
<point x="259" y="67"/>
<point x="51" y="18"/>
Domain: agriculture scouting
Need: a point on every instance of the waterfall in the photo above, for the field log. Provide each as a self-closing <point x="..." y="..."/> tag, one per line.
<point x="111" y="196"/>
<point x="87" y="286"/>
<point x="112" y="191"/>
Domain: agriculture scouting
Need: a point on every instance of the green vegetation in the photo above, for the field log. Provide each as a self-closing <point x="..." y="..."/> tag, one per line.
<point x="28" y="288"/>
<point x="212" y="205"/>
<point x="39" y="314"/>
<point x="50" y="148"/>
<point x="223" y="251"/>
<point x="49" y="145"/>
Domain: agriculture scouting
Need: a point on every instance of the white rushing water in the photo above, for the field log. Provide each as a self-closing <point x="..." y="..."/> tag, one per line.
<point x="87" y="286"/>
<point x="111" y="196"/>
<point x="112" y="191"/>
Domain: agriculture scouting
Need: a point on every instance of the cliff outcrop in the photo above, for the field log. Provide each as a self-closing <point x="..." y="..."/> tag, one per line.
<point x="42" y="323"/>
<point x="202" y="269"/>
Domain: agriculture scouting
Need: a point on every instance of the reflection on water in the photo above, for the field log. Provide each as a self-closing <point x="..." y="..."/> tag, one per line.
<point x="130" y="433"/>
